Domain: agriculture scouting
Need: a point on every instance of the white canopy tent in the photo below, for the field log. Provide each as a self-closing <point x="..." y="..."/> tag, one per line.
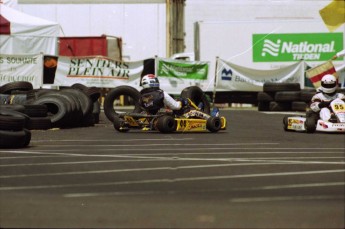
<point x="21" y="33"/>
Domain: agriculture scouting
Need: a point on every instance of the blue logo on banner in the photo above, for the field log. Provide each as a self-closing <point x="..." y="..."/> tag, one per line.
<point x="226" y="74"/>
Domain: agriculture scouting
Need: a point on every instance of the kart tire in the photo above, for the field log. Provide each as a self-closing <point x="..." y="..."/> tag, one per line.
<point x="166" y="124"/>
<point x="118" y="123"/>
<point x="109" y="99"/>
<point x="310" y="125"/>
<point x="213" y="124"/>
<point x="285" y="123"/>
<point x="195" y="94"/>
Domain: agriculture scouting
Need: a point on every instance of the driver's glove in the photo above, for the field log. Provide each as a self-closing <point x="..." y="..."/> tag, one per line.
<point x="184" y="102"/>
<point x="323" y="104"/>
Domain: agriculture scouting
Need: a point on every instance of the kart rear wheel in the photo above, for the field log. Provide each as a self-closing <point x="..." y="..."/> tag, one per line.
<point x="213" y="124"/>
<point x="166" y="124"/>
<point x="195" y="94"/>
<point x="119" y="124"/>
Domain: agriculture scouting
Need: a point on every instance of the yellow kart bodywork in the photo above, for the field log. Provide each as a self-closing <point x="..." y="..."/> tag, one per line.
<point x="195" y="125"/>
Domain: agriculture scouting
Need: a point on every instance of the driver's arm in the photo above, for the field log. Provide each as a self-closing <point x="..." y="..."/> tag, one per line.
<point x="171" y="103"/>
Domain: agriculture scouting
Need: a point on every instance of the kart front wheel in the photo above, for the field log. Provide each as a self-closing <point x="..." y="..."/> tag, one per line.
<point x="166" y="124"/>
<point x="286" y="123"/>
<point x="213" y="124"/>
<point x="310" y="125"/>
<point x="119" y="124"/>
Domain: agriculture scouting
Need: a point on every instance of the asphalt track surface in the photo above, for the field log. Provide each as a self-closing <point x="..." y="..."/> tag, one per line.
<point x="253" y="175"/>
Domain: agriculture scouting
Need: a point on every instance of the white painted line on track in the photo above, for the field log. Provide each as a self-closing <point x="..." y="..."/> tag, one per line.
<point x="85" y="162"/>
<point x="144" y="158"/>
<point x="115" y="140"/>
<point x="295" y="151"/>
<point x="143" y="169"/>
<point x="285" y="198"/>
<point x="184" y="179"/>
<point x="293" y="186"/>
<point x="161" y="144"/>
<point x="311" y="185"/>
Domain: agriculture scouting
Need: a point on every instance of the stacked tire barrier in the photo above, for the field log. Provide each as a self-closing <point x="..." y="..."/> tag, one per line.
<point x="14" y="131"/>
<point x="284" y="97"/>
<point x="75" y="106"/>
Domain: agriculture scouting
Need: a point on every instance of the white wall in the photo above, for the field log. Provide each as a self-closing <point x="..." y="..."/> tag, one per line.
<point x="141" y="26"/>
<point x="237" y="10"/>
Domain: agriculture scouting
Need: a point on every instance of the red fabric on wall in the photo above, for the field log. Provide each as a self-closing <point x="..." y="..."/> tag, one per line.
<point x="5" y="26"/>
<point x="83" y="46"/>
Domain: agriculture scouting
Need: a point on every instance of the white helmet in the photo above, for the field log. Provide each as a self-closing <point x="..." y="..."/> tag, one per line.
<point x="328" y="84"/>
<point x="149" y="81"/>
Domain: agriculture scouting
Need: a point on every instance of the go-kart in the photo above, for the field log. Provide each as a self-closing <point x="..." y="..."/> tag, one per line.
<point x="195" y="120"/>
<point x="311" y="122"/>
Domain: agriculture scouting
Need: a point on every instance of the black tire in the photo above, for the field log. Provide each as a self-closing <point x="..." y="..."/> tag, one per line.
<point x="280" y="106"/>
<point x="265" y="96"/>
<point x="307" y="95"/>
<point x="275" y="87"/>
<point x="13" y="107"/>
<point x="14" y="120"/>
<point x="83" y="99"/>
<point x="14" y="139"/>
<point x="310" y="124"/>
<point x="93" y="92"/>
<point x="264" y="106"/>
<point x="299" y="106"/>
<point x="118" y="124"/>
<point x="287" y="96"/>
<point x="285" y="123"/>
<point x="96" y="110"/>
<point x="39" y="123"/>
<point x="36" y="110"/>
<point x="57" y="109"/>
<point x="166" y="124"/>
<point x="15" y="86"/>
<point x="115" y="93"/>
<point x="195" y="94"/>
<point x="213" y="124"/>
<point x="27" y="138"/>
<point x="8" y="122"/>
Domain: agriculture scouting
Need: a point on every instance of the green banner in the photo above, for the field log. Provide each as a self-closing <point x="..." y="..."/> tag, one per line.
<point x="190" y="70"/>
<point x="296" y="46"/>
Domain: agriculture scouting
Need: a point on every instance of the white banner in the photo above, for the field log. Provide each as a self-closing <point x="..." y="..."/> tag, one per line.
<point x="231" y="77"/>
<point x="27" y="68"/>
<point x="97" y="72"/>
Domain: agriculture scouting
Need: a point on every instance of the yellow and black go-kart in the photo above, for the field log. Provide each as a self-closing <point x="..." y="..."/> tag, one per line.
<point x="195" y="119"/>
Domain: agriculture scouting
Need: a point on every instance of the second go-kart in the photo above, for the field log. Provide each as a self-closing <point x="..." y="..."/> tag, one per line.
<point x="311" y="123"/>
<point x="167" y="122"/>
<point x="196" y="119"/>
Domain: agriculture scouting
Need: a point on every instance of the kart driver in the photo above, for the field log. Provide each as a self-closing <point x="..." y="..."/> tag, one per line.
<point x="153" y="98"/>
<point x="327" y="93"/>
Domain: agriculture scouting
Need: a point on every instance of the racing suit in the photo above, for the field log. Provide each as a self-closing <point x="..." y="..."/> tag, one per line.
<point x="320" y="103"/>
<point x="153" y="99"/>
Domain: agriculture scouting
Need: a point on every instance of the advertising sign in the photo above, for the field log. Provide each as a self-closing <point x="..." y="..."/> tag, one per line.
<point x="27" y="68"/>
<point x="296" y="46"/>
<point x="175" y="75"/>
